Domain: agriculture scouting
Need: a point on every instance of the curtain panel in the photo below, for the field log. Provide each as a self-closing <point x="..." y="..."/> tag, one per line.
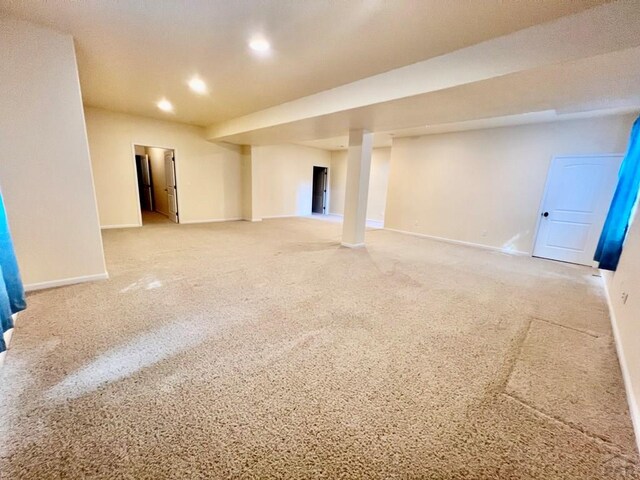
<point x="621" y="210"/>
<point x="12" y="298"/>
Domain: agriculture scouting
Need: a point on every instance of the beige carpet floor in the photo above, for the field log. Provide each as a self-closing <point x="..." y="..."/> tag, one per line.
<point x="154" y="218"/>
<point x="265" y="350"/>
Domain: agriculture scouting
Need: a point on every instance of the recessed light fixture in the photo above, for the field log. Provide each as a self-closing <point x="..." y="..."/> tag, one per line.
<point x="259" y="45"/>
<point x="197" y="85"/>
<point x="165" y="105"/>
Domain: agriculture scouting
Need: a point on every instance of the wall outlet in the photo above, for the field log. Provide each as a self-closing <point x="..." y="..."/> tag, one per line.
<point x="625" y="296"/>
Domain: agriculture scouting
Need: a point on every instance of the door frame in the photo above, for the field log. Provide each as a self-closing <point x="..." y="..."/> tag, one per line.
<point x="135" y="175"/>
<point x="546" y="191"/>
<point x="327" y="189"/>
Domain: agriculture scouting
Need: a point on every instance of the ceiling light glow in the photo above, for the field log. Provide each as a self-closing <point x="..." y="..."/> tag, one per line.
<point x="197" y="85"/>
<point x="259" y="45"/>
<point x="165" y="105"/>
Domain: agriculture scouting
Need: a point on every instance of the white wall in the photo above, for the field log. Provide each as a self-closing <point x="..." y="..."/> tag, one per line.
<point x="378" y="181"/>
<point x="282" y="178"/>
<point x="626" y="316"/>
<point x="208" y="174"/>
<point x="45" y="170"/>
<point x="492" y="179"/>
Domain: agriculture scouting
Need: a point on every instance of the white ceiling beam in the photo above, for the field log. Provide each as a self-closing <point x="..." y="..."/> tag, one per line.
<point x="608" y="28"/>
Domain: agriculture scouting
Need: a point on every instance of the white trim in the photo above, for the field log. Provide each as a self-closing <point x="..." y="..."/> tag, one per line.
<point x="282" y="216"/>
<point x="135" y="181"/>
<point x="211" y="220"/>
<point x="634" y="407"/>
<point x="327" y="188"/>
<point x="126" y="225"/>
<point x="375" y="224"/>
<point x="371" y="223"/>
<point x="352" y="245"/>
<point x="65" y="281"/>
<point x="460" y="242"/>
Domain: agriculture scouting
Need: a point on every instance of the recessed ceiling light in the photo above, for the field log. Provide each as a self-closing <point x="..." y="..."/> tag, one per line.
<point x="259" y="45"/>
<point x="165" y="105"/>
<point x="197" y="85"/>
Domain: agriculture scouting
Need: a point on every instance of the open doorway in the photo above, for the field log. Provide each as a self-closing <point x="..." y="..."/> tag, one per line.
<point x="319" y="198"/>
<point x="156" y="175"/>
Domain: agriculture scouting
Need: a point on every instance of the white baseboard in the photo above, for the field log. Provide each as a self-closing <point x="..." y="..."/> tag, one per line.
<point x="370" y="222"/>
<point x="210" y="220"/>
<point x="281" y="216"/>
<point x="352" y="245"/>
<point x="126" y="225"/>
<point x="460" y="242"/>
<point x="65" y="281"/>
<point x="634" y="407"/>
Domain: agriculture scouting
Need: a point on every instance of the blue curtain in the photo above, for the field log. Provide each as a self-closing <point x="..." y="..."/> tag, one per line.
<point x="12" y="299"/>
<point x="624" y="200"/>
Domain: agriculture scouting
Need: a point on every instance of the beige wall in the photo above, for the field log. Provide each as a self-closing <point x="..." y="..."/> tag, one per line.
<point x="493" y="178"/>
<point x="45" y="170"/>
<point x="208" y="174"/>
<point x="158" y="179"/>
<point x="282" y="178"/>
<point x="626" y="316"/>
<point x="378" y="180"/>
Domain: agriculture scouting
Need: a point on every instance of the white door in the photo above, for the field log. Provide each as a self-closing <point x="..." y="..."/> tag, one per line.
<point x="170" y="176"/>
<point x="577" y="198"/>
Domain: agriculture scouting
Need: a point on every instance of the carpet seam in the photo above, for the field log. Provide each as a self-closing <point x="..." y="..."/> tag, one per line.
<point x="614" y="448"/>
<point x="586" y="332"/>
<point x="516" y="356"/>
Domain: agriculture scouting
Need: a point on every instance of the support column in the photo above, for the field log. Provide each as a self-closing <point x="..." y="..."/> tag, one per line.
<point x="357" y="188"/>
<point x="249" y="185"/>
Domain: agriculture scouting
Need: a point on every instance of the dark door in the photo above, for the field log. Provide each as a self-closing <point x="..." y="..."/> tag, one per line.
<point x="319" y="204"/>
<point x="145" y="188"/>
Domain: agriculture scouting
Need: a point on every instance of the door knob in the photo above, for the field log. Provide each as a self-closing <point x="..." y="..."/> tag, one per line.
<point x="545" y="214"/>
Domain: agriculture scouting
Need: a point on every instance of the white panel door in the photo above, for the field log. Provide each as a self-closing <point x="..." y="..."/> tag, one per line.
<point x="170" y="176"/>
<point x="578" y="195"/>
